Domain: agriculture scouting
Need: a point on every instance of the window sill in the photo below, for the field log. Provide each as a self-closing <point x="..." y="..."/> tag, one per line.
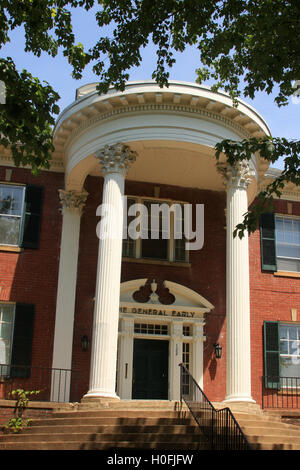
<point x="156" y="261"/>
<point x="11" y="248"/>
<point x="286" y="274"/>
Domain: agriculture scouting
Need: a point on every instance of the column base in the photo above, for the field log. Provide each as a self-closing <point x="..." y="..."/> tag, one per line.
<point x="239" y="399"/>
<point x="238" y="405"/>
<point x="98" y="395"/>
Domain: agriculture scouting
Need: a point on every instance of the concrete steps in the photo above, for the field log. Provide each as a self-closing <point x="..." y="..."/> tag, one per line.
<point x="157" y="425"/>
<point x="103" y="429"/>
<point x="268" y="432"/>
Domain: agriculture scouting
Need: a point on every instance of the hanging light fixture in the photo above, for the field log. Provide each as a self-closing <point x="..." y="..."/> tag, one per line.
<point x="85" y="343"/>
<point x="218" y="350"/>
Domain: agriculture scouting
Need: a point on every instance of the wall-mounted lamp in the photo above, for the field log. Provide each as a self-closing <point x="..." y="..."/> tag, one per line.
<point x="218" y="350"/>
<point x="85" y="343"/>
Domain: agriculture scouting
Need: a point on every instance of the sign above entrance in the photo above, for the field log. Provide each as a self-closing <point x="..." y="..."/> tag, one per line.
<point x="155" y="311"/>
<point x="186" y="302"/>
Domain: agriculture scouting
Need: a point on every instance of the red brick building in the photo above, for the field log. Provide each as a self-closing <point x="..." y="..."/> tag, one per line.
<point x="112" y="316"/>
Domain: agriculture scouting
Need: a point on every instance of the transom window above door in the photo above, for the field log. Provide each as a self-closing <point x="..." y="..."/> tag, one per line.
<point x="160" y="227"/>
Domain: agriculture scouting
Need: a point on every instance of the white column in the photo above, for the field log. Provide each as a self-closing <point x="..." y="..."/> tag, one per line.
<point x="238" y="371"/>
<point x="115" y="161"/>
<point x="72" y="205"/>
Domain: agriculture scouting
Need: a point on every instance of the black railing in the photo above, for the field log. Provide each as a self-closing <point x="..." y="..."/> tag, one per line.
<point x="219" y="427"/>
<point x="54" y="385"/>
<point x="280" y="392"/>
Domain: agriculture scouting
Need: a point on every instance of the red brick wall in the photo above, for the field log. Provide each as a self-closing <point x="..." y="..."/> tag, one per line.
<point x="8" y="411"/>
<point x="272" y="298"/>
<point x="206" y="274"/>
<point x="31" y="276"/>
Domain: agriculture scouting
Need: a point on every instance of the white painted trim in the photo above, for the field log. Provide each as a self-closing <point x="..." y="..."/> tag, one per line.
<point x="189" y="293"/>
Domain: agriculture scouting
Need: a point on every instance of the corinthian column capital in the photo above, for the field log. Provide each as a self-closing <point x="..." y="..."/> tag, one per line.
<point x="72" y="200"/>
<point x="237" y="176"/>
<point x="115" y="158"/>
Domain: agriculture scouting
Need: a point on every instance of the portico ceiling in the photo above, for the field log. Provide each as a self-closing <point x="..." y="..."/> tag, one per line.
<point x="172" y="163"/>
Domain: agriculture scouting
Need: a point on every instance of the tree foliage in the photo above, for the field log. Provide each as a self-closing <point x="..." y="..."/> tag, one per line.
<point x="245" y="46"/>
<point x="28" y="114"/>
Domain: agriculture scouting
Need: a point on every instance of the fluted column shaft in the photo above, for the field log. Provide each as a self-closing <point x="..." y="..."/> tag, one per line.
<point x="72" y="205"/>
<point x="115" y="160"/>
<point x="238" y="356"/>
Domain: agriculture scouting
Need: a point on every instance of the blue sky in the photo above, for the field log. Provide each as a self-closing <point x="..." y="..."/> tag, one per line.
<point x="283" y="121"/>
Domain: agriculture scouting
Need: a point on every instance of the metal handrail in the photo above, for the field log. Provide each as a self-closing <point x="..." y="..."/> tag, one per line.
<point x="54" y="384"/>
<point x="219" y="427"/>
<point x="280" y="392"/>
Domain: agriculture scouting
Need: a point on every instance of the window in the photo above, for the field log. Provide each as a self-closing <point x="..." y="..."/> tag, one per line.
<point x="280" y="243"/>
<point x="287" y="235"/>
<point x="160" y="230"/>
<point x="186" y="357"/>
<point x="11" y="212"/>
<point x="289" y="350"/>
<point x="20" y="215"/>
<point x="186" y="330"/>
<point x="282" y="353"/>
<point x="16" y="332"/>
<point x="150" y="329"/>
<point x="7" y="316"/>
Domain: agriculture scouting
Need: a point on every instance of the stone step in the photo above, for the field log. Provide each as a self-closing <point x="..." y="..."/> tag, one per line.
<point x="110" y="429"/>
<point x="82" y="445"/>
<point x="269" y="438"/>
<point x="262" y="428"/>
<point x="269" y="443"/>
<point x="271" y="446"/>
<point x="129" y="421"/>
<point x="258" y="417"/>
<point x="121" y="413"/>
<point x="129" y="404"/>
<point x="100" y="437"/>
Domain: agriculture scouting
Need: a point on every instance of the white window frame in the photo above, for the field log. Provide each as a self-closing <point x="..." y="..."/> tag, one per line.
<point x="171" y="241"/>
<point x="5" y="368"/>
<point x="22" y="212"/>
<point x="291" y="345"/>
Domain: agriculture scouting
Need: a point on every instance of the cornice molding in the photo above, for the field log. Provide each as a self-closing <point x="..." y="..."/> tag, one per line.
<point x="159" y="108"/>
<point x="55" y="164"/>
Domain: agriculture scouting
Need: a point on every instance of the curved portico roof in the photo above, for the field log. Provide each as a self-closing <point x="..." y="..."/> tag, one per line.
<point x="178" y="93"/>
<point x="174" y="127"/>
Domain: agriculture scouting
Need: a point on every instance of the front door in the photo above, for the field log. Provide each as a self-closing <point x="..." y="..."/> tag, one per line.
<point x="150" y="369"/>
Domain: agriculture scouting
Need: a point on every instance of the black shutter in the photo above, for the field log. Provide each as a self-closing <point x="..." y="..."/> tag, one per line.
<point x="22" y="340"/>
<point x="271" y="354"/>
<point x="268" y="242"/>
<point x="32" y="216"/>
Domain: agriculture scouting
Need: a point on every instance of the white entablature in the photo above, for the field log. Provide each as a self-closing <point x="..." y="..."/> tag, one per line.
<point x="187" y="303"/>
